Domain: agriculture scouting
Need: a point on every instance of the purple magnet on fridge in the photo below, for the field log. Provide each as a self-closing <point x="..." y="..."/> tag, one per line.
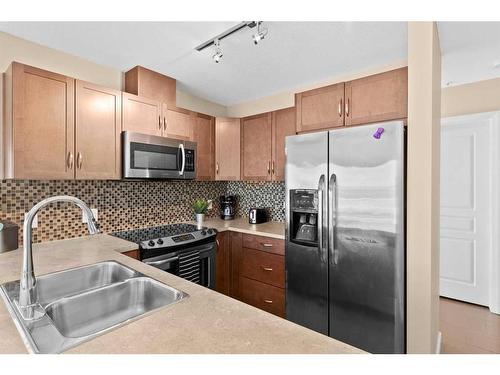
<point x="378" y="133"/>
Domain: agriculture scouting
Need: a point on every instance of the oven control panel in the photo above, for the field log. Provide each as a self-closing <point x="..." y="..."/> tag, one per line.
<point x="180" y="239"/>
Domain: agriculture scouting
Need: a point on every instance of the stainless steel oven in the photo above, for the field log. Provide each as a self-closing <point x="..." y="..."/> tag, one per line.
<point x="149" y="156"/>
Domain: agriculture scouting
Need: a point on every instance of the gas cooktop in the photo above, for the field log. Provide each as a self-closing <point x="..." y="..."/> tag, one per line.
<point x="166" y="235"/>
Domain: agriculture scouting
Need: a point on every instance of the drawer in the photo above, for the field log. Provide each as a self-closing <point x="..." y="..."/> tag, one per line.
<point x="264" y="296"/>
<point x="271" y="245"/>
<point x="262" y="266"/>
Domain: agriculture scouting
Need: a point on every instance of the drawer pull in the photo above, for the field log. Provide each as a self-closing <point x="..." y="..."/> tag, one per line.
<point x="267" y="244"/>
<point x="269" y="269"/>
<point x="268" y="301"/>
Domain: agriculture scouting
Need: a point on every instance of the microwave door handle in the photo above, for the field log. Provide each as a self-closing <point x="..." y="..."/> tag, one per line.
<point x="183" y="165"/>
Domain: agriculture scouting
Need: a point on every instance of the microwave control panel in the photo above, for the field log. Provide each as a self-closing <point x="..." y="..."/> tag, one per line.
<point x="190" y="160"/>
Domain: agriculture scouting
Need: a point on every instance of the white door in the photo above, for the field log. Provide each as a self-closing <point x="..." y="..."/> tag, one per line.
<point x="467" y="207"/>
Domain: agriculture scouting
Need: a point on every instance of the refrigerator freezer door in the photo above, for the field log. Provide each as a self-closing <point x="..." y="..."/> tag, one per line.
<point x="367" y="247"/>
<point x="306" y="264"/>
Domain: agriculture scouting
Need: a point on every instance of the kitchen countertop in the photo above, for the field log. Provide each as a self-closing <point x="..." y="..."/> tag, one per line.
<point x="205" y="322"/>
<point x="270" y="229"/>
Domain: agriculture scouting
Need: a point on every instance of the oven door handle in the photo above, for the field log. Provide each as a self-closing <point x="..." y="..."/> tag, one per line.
<point x="183" y="165"/>
<point x="160" y="262"/>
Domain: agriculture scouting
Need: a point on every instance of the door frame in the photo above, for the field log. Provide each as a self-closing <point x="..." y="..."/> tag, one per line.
<point x="493" y="120"/>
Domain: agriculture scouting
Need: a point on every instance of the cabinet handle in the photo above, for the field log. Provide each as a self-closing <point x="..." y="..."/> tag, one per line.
<point x="79" y="160"/>
<point x="70" y="160"/>
<point x="347" y="107"/>
<point x="164" y="123"/>
<point x="340" y="108"/>
<point x="269" y="167"/>
<point x="267" y="244"/>
<point x="272" y="168"/>
<point x="217" y="167"/>
<point x="268" y="301"/>
<point x="217" y="242"/>
<point x="159" y="122"/>
<point x="268" y="269"/>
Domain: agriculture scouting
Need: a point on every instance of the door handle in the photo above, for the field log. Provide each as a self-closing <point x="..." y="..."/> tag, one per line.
<point x="159" y="122"/>
<point x="268" y="301"/>
<point x="272" y="167"/>
<point x="332" y="194"/>
<point x="321" y="191"/>
<point x="347" y="107"/>
<point x="268" y="269"/>
<point x="181" y="146"/>
<point x="269" y="167"/>
<point x="217" y="168"/>
<point x="164" y="123"/>
<point x="79" y="160"/>
<point x="70" y="160"/>
<point x="340" y="107"/>
<point x="267" y="244"/>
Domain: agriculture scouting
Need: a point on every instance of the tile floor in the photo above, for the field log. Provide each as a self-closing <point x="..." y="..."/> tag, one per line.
<point x="468" y="328"/>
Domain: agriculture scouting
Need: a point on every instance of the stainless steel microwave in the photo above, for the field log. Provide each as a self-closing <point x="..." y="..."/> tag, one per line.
<point x="149" y="156"/>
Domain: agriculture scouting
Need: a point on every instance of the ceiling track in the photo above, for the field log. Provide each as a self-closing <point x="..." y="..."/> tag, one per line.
<point x="232" y="30"/>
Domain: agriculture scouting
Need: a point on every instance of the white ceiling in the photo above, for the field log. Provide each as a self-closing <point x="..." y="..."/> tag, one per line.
<point x="294" y="54"/>
<point x="469" y="51"/>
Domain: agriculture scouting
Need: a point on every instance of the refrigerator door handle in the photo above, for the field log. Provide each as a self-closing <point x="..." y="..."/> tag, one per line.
<point x="332" y="218"/>
<point x="321" y="209"/>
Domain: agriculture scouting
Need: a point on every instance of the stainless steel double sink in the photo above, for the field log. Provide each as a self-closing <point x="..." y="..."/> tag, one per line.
<point x="84" y="302"/>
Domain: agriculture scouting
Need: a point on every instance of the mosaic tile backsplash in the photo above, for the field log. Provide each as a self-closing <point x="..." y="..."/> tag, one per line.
<point x="268" y="195"/>
<point x="127" y="204"/>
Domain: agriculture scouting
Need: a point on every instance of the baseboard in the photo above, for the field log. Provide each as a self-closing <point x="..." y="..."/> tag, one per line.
<point x="439" y="342"/>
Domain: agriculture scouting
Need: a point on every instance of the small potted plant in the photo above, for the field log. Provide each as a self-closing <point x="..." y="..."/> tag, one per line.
<point x="200" y="207"/>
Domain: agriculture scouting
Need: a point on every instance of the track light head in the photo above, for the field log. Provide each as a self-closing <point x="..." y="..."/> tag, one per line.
<point x="260" y="35"/>
<point x="218" y="52"/>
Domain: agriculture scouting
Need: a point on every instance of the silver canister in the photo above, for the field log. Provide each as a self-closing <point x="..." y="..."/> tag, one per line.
<point x="8" y="236"/>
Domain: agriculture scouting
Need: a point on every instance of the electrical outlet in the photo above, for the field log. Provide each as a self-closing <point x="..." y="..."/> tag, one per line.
<point x="210" y="204"/>
<point x="84" y="216"/>
<point x="34" y="224"/>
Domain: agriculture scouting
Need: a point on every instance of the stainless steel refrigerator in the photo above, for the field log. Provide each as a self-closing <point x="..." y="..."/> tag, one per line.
<point x="345" y="234"/>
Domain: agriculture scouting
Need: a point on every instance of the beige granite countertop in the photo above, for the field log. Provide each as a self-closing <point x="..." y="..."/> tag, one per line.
<point x="270" y="229"/>
<point x="205" y="322"/>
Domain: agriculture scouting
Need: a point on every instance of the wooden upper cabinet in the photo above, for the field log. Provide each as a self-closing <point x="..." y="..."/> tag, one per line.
<point x="204" y="136"/>
<point x="283" y="126"/>
<point x="39" y="124"/>
<point x="178" y="123"/>
<point x="98" y="127"/>
<point x="150" y="84"/>
<point x="256" y="148"/>
<point x="141" y="115"/>
<point x="227" y="149"/>
<point x="321" y="108"/>
<point x="379" y="97"/>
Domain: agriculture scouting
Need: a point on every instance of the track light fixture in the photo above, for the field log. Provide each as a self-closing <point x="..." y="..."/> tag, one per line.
<point x="261" y="33"/>
<point x="218" y="51"/>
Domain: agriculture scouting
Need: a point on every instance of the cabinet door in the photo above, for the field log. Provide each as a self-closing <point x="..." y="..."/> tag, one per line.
<point x="235" y="252"/>
<point x="227" y="149"/>
<point x="39" y="134"/>
<point x="256" y="147"/>
<point x="149" y="84"/>
<point x="141" y="115"/>
<point x="380" y="97"/>
<point x="283" y="126"/>
<point x="222" y="263"/>
<point x="178" y="123"/>
<point x="98" y="126"/>
<point x="321" y="108"/>
<point x="204" y="135"/>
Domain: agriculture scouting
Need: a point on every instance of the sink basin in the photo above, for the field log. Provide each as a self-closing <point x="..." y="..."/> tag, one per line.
<point x="66" y="283"/>
<point x="84" y="302"/>
<point x="97" y="310"/>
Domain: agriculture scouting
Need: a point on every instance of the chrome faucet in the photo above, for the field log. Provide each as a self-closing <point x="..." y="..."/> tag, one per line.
<point x="28" y="299"/>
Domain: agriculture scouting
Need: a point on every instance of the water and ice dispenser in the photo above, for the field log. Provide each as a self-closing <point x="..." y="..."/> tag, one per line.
<point x="304" y="217"/>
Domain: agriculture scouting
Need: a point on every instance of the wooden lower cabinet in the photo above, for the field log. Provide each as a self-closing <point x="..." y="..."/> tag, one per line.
<point x="132" y="254"/>
<point x="263" y="296"/>
<point x="222" y="263"/>
<point x="253" y="276"/>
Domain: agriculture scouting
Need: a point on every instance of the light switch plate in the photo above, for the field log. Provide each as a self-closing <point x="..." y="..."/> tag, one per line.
<point x="84" y="216"/>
